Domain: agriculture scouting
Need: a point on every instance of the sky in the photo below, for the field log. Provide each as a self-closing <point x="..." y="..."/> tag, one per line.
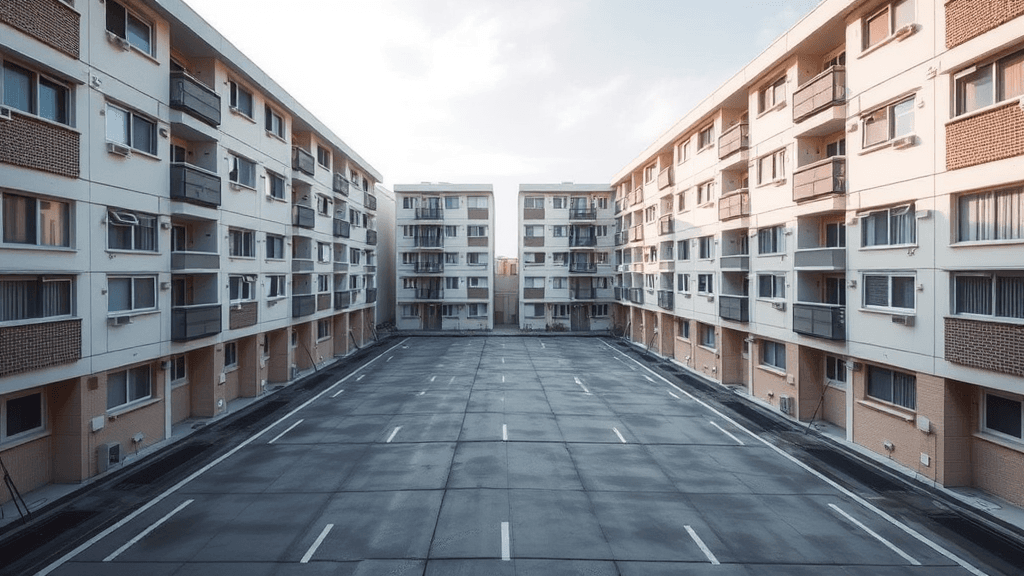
<point x="502" y="92"/>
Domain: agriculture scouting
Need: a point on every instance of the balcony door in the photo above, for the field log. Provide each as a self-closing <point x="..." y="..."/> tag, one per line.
<point x="580" y="317"/>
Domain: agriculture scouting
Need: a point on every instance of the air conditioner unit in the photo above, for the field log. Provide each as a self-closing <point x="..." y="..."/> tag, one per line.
<point x="5" y="113"/>
<point x="119" y="320"/>
<point x="123" y="218"/>
<point x="236" y="306"/>
<point x="905" y="31"/>
<point x="116" y="40"/>
<point x="904" y="142"/>
<point x="785" y="404"/>
<point x="107" y="455"/>
<point x="903" y="320"/>
<point x="120" y="149"/>
<point x="779" y="305"/>
<point x="711" y="298"/>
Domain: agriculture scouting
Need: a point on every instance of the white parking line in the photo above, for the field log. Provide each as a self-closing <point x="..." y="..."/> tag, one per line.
<point x="389" y="359"/>
<point x="393" y="432"/>
<point x="286" y="430"/>
<point x="673" y="395"/>
<point x="422" y="393"/>
<point x="504" y="432"/>
<point x="502" y="377"/>
<point x="542" y="345"/>
<point x="619" y="434"/>
<point x="703" y="547"/>
<point x="649" y="379"/>
<point x="338" y="393"/>
<point x="432" y="378"/>
<point x="506" y="553"/>
<point x="316" y="544"/>
<point x="143" y="534"/>
<point x="361" y="376"/>
<point x="727" y="433"/>
<point x="452" y="380"/>
<point x="878" y="537"/>
<point x="503" y="360"/>
<point x="580" y="384"/>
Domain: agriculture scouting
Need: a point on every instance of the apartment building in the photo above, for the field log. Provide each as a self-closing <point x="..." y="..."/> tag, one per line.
<point x="177" y="232"/>
<point x="838" y="230"/>
<point x="444" y="256"/>
<point x="565" y="250"/>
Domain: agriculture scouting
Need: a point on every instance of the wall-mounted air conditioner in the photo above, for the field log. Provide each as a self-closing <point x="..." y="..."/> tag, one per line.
<point x="119" y="320"/>
<point x="904" y="142"/>
<point x="786" y="404"/>
<point x="903" y="320"/>
<point x="779" y="305"/>
<point x="119" y="149"/>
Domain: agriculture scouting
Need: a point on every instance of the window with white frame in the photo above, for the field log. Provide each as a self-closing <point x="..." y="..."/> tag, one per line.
<point x="683" y="151"/>
<point x="598" y="310"/>
<point x="601" y="230"/>
<point x="683" y="328"/>
<point x="34" y="93"/>
<point x="127" y="230"/>
<point x="410" y="310"/>
<point x="984" y="85"/>
<point x="772" y="95"/>
<point x="131" y="293"/>
<point x="773" y="354"/>
<point x="128" y="386"/>
<point x="705" y="192"/>
<point x="240" y="99"/>
<point x="275" y="185"/>
<point x="533" y="202"/>
<point x="476" y="202"/>
<point x="602" y="203"/>
<point x="323" y="157"/>
<point x="650" y="173"/>
<point x="600" y="257"/>
<point x="241" y="288"/>
<point x="835" y="371"/>
<point x="994" y="294"/>
<point x="451" y="282"/>
<point x="771" y="240"/>
<point x="275" y="247"/>
<point x="355" y="256"/>
<point x="533" y="231"/>
<point x="230" y="356"/>
<point x="885" y="22"/>
<point x="559" y="258"/>
<point x="560" y="311"/>
<point x="533" y="282"/>
<point x="706" y="247"/>
<point x="33" y="297"/>
<point x="128" y="26"/>
<point x="990" y="216"/>
<point x="706" y="333"/>
<point x="889" y="291"/>
<point x="130" y="129"/>
<point x="241" y="243"/>
<point x="534" y="310"/>
<point x="276" y="286"/>
<point x="178" y="369"/>
<point x="559" y="202"/>
<point x="323" y="252"/>
<point x="895" y="226"/>
<point x="476" y="281"/>
<point x="681" y="201"/>
<point x="451" y="231"/>
<point x="451" y="257"/>
<point x="771" y="286"/>
<point x="477" y="310"/>
<point x="651" y="214"/>
<point x="476" y="231"/>
<point x="559" y="231"/>
<point x="323" y="283"/>
<point x="706" y="137"/>
<point x="683" y="250"/>
<point x="772" y="167"/>
<point x="683" y="282"/>
<point x="476" y="258"/>
<point x="35" y="221"/>
<point x="409" y="202"/>
<point x="243" y="171"/>
<point x="705" y="284"/>
<point x="1003" y="415"/>
<point x="888" y="122"/>
<point x="323" y="205"/>
<point x="892" y="386"/>
<point x="273" y="122"/>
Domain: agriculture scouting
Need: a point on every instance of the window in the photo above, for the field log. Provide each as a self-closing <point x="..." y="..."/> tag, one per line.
<point x="559" y="283"/>
<point x="276" y="287"/>
<point x="835" y="235"/>
<point x="476" y="258"/>
<point x="451" y="231"/>
<point x="533" y="231"/>
<point x="534" y="310"/>
<point x="230" y="355"/>
<point x="451" y="202"/>
<point x="32" y="93"/>
<point x="323" y="252"/>
<point x="602" y="203"/>
<point x="451" y="257"/>
<point x="240" y="99"/>
<point x="273" y="121"/>
<point x="410" y="310"/>
<point x="243" y="171"/>
<point x="893" y="387"/>
<point x="408" y="203"/>
<point x="773" y="354"/>
<point x="884" y="23"/>
<point x="451" y="282"/>
<point x="27" y="298"/>
<point x="705" y="284"/>
<point x="275" y="247"/>
<point x="130" y="129"/>
<point x="990" y="216"/>
<point x="559" y="231"/>
<point x="178" y="369"/>
<point x="706" y="333"/>
<point x="323" y="283"/>
<point x="275" y="185"/>
<point x="1002" y="415"/>
<point x="559" y="258"/>
<point x="835" y="371"/>
<point x="242" y="243"/>
<point x="533" y="282"/>
<point x="323" y="205"/>
<point x="323" y="157"/>
<point x="601" y="230"/>
<point x="131" y="231"/>
<point x="559" y="202"/>
<point x="771" y="240"/>
<point x="128" y="386"/>
<point x="354" y="255"/>
<point x="706" y="247"/>
<point x="889" y="122"/>
<point x="890" y="227"/>
<point x="533" y="258"/>
<point x="706" y="137"/>
<point x="650" y="173"/>
<point x="598" y="310"/>
<point x="477" y="281"/>
<point x="683" y="250"/>
<point x="35" y="221"/>
<point x="131" y="293"/>
<point x="772" y="286"/>
<point x="476" y="231"/>
<point x="683" y="282"/>
<point x="533" y="202"/>
<point x="126" y="25"/>
<point x="476" y="310"/>
<point x="705" y="192"/>
<point x="323" y="329"/>
<point x="889" y="291"/>
<point x="476" y="202"/>
<point x="997" y="81"/>
<point x="771" y="168"/>
<point x="241" y="288"/>
<point x="999" y="294"/>
<point x="771" y="96"/>
<point x="683" y="151"/>
<point x="683" y="329"/>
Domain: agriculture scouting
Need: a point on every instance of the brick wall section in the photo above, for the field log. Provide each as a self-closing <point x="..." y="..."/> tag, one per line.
<point x="23" y="464"/>
<point x="34" y="346"/>
<point x="988" y="345"/>
<point x="50" y="21"/>
<point x="987" y="137"/>
<point x="244" y="316"/>
<point x="33" y="143"/>
<point x="998" y="470"/>
<point x="966" y="19"/>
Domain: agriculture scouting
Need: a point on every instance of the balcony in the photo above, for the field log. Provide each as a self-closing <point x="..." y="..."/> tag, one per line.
<point x="584" y="241"/>
<point x="429" y="241"/>
<point x="582" y="267"/>
<point x="429" y="214"/>
<point x="192" y="322"/>
<point x="195" y="99"/>
<point x="826" y="176"/>
<point x="735" y="263"/>
<point x="303" y="305"/>
<point x="369" y="201"/>
<point x="735" y="205"/>
<point x="243" y="315"/>
<point x="734" y="140"/>
<point x="340" y="266"/>
<point x="665" y="178"/>
<point x="666" y="225"/>
<point x="533" y="293"/>
<point x="820" y="259"/>
<point x="477" y="293"/>
<point x="824" y="90"/>
<point x="666" y="299"/>
<point x="342" y="228"/>
<point x="371" y="237"/>
<point x="302" y="265"/>
<point x="581" y="214"/>
<point x="619" y="293"/>
<point x="194" y="261"/>
<point x="342" y="300"/>
<point x="341" y="184"/>
<point x="636" y="234"/>
<point x="195" y="185"/>
<point x="303" y="161"/>
<point x="303" y="216"/>
<point x="428" y="267"/>
<point x="534" y="214"/>
<point x="621" y="237"/>
<point x="636" y="295"/>
<point x="637" y="196"/>
<point x="371" y="295"/>
<point x="51" y="344"/>
<point x="429" y="294"/>
<point x="666" y="265"/>
<point x="533" y="241"/>
<point x="583" y="293"/>
<point x="820" y="320"/>
<point x="735" y="308"/>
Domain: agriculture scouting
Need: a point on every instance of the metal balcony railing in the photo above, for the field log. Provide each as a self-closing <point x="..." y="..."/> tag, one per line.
<point x="429" y="294"/>
<point x="371" y="237"/>
<point x="429" y="241"/>
<point x="303" y="161"/>
<point x="429" y="214"/>
<point x="820" y="259"/>
<point x="734" y="205"/>
<point x="303" y="305"/>
<point x="826" y="176"/>
<point x="734" y="140"/>
<point x="820" y="320"/>
<point x="429" y="267"/>
<point x="303" y="216"/>
<point x="735" y="308"/>
<point x="196" y="321"/>
<point x="582" y="214"/>
<point x="582" y="267"/>
<point x="191" y="96"/>
<point x="341" y="184"/>
<point x="666" y="299"/>
<point x="369" y="201"/>
<point x="824" y="90"/>
<point x="195" y="185"/>
<point x="342" y="300"/>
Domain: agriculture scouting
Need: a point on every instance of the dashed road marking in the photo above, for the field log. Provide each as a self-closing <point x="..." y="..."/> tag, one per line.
<point x="361" y="376"/>
<point x="506" y="551"/>
<point x="727" y="433"/>
<point x="619" y="434"/>
<point x="649" y="379"/>
<point x="877" y="536"/>
<point x="670" y="393"/>
<point x="504" y="432"/>
<point x="286" y="430"/>
<point x="393" y="432"/>
<point x="316" y="544"/>
<point x="389" y="359"/>
<point x="703" y="547"/>
<point x="422" y="393"/>
<point x="580" y="384"/>
<point x="145" y="532"/>
<point x="432" y="378"/>
<point x="338" y="393"/>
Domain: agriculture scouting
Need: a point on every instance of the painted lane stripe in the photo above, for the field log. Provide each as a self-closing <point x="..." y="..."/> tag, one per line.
<point x="432" y="378"/>
<point x="727" y="433"/>
<point x="422" y="393"/>
<point x="145" y="532"/>
<point x="393" y="432"/>
<point x="580" y="384"/>
<point x="504" y="432"/>
<point x="506" y="552"/>
<point x="316" y="544"/>
<point x="502" y="359"/>
<point x="619" y="434"/>
<point x="703" y="547"/>
<point x="877" y="536"/>
<point x="452" y="380"/>
<point x="503" y="378"/>
<point x="361" y="376"/>
<point x="286" y="430"/>
<point x="389" y="359"/>
<point x="649" y="379"/>
<point x="138" y="511"/>
<point x="336" y="394"/>
<point x="670" y="393"/>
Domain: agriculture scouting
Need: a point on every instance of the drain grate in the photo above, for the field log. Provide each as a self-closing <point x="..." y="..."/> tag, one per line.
<point x="152" y="472"/>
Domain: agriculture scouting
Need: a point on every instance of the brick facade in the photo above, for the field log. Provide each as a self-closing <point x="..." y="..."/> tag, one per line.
<point x="966" y="19"/>
<point x="50" y="21"/>
<point x="35" y="346"/>
<point x="244" y="316"/>
<point x="987" y="345"/>
<point x="987" y="137"/>
<point x="34" y="143"/>
<point x="998" y="470"/>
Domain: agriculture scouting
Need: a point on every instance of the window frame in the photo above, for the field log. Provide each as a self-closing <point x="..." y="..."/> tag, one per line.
<point x="125" y="34"/>
<point x="323" y="157"/>
<point x="836" y="373"/>
<point x="273" y="122"/>
<point x="771" y="240"/>
<point x="248" y="242"/>
<point x="888" y="307"/>
<point x="992" y="220"/>
<point x="706" y="336"/>
<point x="909" y="397"/>
<point x="776" y="288"/>
<point x="983" y="420"/>
<point x="39" y="225"/>
<point x="778" y="168"/>
<point x="274" y="240"/>
<point x="995" y="303"/>
<point x="130" y="401"/>
<point x="706" y="137"/>
<point x="887" y="113"/>
<point x="867" y="219"/>
<point x="769" y="356"/>
<point x="238" y="104"/>
<point x="275" y="192"/>
<point x="130" y="130"/>
<point x="236" y="163"/>
<point x="246" y="288"/>
<point x="323" y="329"/>
<point x="230" y="356"/>
<point x="133" y="307"/>
<point x="775" y="102"/>
<point x="62" y="105"/>
<point x="706" y="284"/>
<point x="135" y="230"/>
<point x="996" y="90"/>
<point x="892" y="26"/>
<point x="707" y="242"/>
<point x="34" y="309"/>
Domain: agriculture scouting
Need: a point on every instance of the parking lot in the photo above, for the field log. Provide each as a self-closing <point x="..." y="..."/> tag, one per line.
<point x="508" y="455"/>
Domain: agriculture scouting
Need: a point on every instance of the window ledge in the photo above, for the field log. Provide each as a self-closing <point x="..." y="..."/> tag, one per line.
<point x="889" y="39"/>
<point x="889" y="311"/>
<point x="976" y="243"/>
<point x="135" y="252"/>
<point x="773" y="370"/>
<point x="132" y="313"/>
<point x="18" y="112"/>
<point x="275" y="198"/>
<point x="240" y="186"/>
<point x="885" y="409"/>
<point x="889" y="247"/>
<point x="234" y="110"/>
<point x="22" y="440"/>
<point x="986" y="109"/>
<point x="114" y="413"/>
<point x="989" y="319"/>
<point x="274" y="136"/>
<point x="1004" y="442"/>
<point x="32" y="321"/>
<point x="778" y="106"/>
<point x="36" y="247"/>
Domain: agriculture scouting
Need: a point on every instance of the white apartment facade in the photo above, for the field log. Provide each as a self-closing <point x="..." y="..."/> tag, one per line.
<point x="177" y="232"/>
<point x="839" y="228"/>
<point x="444" y="256"/>
<point x="566" y="244"/>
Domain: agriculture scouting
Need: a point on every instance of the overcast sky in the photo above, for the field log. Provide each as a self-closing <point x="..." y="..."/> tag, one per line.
<point x="500" y="91"/>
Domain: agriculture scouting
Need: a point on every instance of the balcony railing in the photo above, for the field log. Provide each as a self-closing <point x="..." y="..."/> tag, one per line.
<point x="666" y="299"/>
<point x="342" y="228"/>
<point x="429" y="267"/>
<point x="636" y="295"/>
<point x="665" y="178"/>
<point x="583" y="293"/>
<point x="666" y="265"/>
<point x="192" y="322"/>
<point x="820" y="320"/>
<point x="826" y="176"/>
<point x="429" y="294"/>
<point x="735" y="205"/>
<point x="820" y="259"/>
<point x="582" y="241"/>
<point x="735" y="308"/>
<point x="619" y="293"/>
<point x="429" y="241"/>
<point x="303" y="305"/>
<point x="195" y="261"/>
<point x="341" y="184"/>
<point x="371" y="237"/>
<point x="303" y="216"/>
<point x="194" y="185"/>
<point x="371" y="295"/>
<point x="666" y="225"/>
<point x="429" y="214"/>
<point x="302" y="264"/>
<point x="52" y="343"/>
<point x="582" y="267"/>
<point x="824" y="90"/>
<point x="340" y="266"/>
<point x="581" y="214"/>
<point x="342" y="300"/>
<point x="636" y="233"/>
<point x="733" y="140"/>
<point x="303" y="161"/>
<point x="369" y="201"/>
<point x="533" y="293"/>
<point x="192" y="97"/>
<point x="621" y="237"/>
